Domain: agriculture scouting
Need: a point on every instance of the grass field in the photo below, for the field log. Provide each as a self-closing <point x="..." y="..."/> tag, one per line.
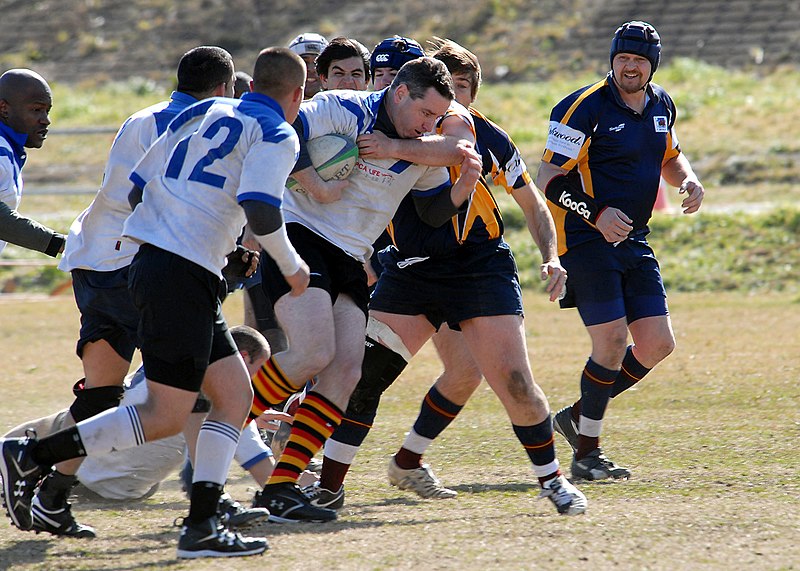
<point x="710" y="437"/>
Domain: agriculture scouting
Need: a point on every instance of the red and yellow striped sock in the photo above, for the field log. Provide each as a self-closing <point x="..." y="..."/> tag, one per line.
<point x="270" y="387"/>
<point x="314" y="422"/>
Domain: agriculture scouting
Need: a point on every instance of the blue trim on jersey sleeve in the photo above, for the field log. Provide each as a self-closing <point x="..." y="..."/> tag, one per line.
<point x="432" y="191"/>
<point x="400" y="166"/>
<point x="277" y="133"/>
<point x="260" y="197"/>
<point x="137" y="180"/>
<point x="272" y="121"/>
<point x="356" y="110"/>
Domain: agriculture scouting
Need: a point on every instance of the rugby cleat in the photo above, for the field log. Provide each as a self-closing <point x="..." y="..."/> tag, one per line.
<point x="596" y="466"/>
<point x="566" y="427"/>
<point x="287" y="504"/>
<point x="322" y="498"/>
<point x="210" y="538"/>
<point x="20" y="477"/>
<point x="58" y="522"/>
<point x="234" y="515"/>
<point x="419" y="480"/>
<point x="51" y="511"/>
<point x="568" y="499"/>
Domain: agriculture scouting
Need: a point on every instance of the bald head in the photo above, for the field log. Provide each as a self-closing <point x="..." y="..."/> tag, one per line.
<point x="278" y="71"/>
<point x="22" y="85"/>
<point x="25" y="102"/>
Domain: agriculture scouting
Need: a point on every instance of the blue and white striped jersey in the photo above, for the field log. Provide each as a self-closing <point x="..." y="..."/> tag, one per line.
<point x="95" y="237"/>
<point x="376" y="186"/>
<point x="214" y="155"/>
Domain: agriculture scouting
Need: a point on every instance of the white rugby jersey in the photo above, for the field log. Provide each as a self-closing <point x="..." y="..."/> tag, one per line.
<point x="12" y="159"/>
<point x="376" y="186"/>
<point x="214" y="155"/>
<point x="95" y="237"/>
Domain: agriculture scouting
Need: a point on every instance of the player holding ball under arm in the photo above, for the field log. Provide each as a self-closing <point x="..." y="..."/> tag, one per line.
<point x="608" y="146"/>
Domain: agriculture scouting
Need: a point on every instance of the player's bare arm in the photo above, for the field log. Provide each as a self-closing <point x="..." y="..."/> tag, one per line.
<point x="434" y="150"/>
<point x="678" y="172"/>
<point x="543" y="231"/>
<point x="320" y="190"/>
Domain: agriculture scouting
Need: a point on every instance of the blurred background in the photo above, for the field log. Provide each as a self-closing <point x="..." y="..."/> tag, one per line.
<point x="732" y="66"/>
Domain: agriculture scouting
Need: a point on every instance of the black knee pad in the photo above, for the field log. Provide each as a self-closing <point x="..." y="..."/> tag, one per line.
<point x="379" y="370"/>
<point x="89" y="402"/>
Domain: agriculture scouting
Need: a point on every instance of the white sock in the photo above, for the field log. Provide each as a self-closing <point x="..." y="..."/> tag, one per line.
<point x="590" y="427"/>
<point x="416" y="443"/>
<point x="114" y="429"/>
<point x="216" y="444"/>
<point x="340" y="452"/>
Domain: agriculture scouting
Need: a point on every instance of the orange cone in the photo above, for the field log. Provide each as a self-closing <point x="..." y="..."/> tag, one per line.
<point x="662" y="199"/>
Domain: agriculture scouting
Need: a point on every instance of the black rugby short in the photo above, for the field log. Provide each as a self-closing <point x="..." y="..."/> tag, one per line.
<point x="181" y="325"/>
<point x="473" y="281"/>
<point x="331" y="268"/>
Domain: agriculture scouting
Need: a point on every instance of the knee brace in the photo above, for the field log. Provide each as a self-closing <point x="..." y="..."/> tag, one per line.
<point x="89" y="402"/>
<point x="379" y="370"/>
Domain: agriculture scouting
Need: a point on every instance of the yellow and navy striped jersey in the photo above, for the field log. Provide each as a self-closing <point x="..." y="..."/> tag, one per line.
<point x="481" y="220"/>
<point x="617" y="153"/>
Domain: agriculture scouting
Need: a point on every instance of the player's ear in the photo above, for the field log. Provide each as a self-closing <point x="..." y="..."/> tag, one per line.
<point x="219" y="90"/>
<point x="400" y="92"/>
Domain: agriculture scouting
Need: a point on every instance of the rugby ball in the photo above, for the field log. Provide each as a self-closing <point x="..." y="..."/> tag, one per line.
<point x="333" y="156"/>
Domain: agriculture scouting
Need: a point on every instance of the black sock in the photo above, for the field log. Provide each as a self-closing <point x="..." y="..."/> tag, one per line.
<point x="205" y="498"/>
<point x="58" y="447"/>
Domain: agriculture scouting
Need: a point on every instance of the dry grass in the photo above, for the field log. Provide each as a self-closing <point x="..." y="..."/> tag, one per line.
<point x="709" y="438"/>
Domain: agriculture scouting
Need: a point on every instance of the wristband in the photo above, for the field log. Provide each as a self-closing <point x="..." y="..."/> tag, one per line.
<point x="563" y="192"/>
<point x="55" y="245"/>
<point x="279" y="248"/>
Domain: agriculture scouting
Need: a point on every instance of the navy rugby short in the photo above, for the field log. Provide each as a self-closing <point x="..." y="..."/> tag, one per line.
<point x="181" y="325"/>
<point x="107" y="310"/>
<point x="607" y="282"/>
<point x="473" y="281"/>
<point x="331" y="268"/>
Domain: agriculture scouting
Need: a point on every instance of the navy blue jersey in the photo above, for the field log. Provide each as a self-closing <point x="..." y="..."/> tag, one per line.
<point x="481" y="221"/>
<point x="617" y="152"/>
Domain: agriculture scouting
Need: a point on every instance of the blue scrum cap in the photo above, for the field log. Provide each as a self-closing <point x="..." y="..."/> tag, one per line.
<point x="638" y="38"/>
<point x="394" y="52"/>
